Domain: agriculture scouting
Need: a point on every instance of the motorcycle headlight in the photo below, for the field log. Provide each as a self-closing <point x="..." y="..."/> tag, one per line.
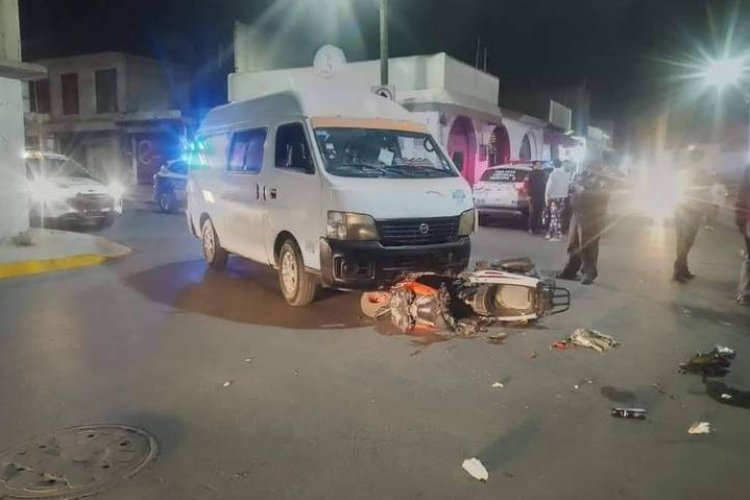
<point x="466" y="223"/>
<point x="346" y="226"/>
<point x="42" y="190"/>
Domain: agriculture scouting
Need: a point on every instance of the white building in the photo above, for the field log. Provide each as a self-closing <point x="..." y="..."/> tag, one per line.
<point x="14" y="206"/>
<point x="457" y="101"/>
<point x="121" y="115"/>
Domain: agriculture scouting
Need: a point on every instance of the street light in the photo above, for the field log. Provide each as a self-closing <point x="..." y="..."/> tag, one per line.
<point x="726" y="72"/>
<point x="383" y="42"/>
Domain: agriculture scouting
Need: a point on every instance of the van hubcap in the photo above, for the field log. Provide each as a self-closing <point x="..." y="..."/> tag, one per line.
<point x="208" y="242"/>
<point x="289" y="272"/>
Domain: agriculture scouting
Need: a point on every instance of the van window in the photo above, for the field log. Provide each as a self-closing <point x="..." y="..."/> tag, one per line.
<point x="247" y="151"/>
<point x="292" y="150"/>
<point x="213" y="151"/>
<point x="361" y="152"/>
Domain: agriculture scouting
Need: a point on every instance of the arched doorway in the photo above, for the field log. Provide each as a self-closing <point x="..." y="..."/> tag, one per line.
<point x="462" y="146"/>
<point x="524" y="154"/>
<point x="499" y="147"/>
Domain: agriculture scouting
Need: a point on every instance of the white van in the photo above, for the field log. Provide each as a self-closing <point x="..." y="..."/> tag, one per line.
<point x="341" y="190"/>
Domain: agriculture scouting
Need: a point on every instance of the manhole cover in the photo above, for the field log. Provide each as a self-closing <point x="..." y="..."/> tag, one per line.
<point x="74" y="462"/>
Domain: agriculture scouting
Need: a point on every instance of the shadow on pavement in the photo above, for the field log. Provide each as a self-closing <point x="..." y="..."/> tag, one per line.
<point x="736" y="318"/>
<point x="244" y="293"/>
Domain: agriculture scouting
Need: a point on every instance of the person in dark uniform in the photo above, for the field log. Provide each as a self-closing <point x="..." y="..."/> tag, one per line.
<point x="693" y="189"/>
<point x="536" y="184"/>
<point x="589" y="197"/>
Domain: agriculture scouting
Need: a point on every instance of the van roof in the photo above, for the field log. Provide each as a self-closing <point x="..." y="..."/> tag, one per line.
<point x="307" y="103"/>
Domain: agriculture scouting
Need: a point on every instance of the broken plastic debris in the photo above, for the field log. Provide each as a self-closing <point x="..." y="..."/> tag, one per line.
<point x="248" y="360"/>
<point x="583" y="337"/>
<point x="726" y="396"/>
<point x="700" y="428"/>
<point x="228" y="383"/>
<point x="475" y="469"/>
<point x="715" y="363"/>
<point x="498" y="384"/>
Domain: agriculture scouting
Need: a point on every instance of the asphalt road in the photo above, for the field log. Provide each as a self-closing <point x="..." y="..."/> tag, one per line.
<point x="324" y="405"/>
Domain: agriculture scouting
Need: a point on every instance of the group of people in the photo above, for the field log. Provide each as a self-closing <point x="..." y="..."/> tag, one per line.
<point x="576" y="206"/>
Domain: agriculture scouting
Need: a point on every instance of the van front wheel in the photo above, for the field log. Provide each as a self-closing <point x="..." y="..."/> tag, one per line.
<point x="216" y="257"/>
<point x="297" y="285"/>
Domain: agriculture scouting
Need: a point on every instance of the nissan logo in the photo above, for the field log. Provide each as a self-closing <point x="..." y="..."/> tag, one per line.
<point x="424" y="229"/>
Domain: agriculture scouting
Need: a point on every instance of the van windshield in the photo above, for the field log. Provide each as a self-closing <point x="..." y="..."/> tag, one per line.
<point x="357" y="152"/>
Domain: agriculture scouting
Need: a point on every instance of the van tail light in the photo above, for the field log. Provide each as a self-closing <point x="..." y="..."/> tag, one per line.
<point x="520" y="187"/>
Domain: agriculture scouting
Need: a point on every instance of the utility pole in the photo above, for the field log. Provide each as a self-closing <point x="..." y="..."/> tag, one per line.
<point x="384" y="42"/>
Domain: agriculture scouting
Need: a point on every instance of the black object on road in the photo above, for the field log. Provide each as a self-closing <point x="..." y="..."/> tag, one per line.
<point x="714" y="363"/>
<point x="632" y="413"/>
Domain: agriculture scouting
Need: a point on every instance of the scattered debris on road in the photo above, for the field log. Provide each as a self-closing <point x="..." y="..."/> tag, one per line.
<point x="531" y="355"/>
<point x="498" y="384"/>
<point x="724" y="395"/>
<point x="715" y="363"/>
<point x="475" y="469"/>
<point x="228" y="383"/>
<point x="700" y="428"/>
<point x="503" y="291"/>
<point x="629" y="413"/>
<point x="248" y="360"/>
<point x="584" y="337"/>
<point x="658" y="387"/>
<point x="686" y="312"/>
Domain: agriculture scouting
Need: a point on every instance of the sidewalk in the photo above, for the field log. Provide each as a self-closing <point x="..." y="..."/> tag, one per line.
<point x="52" y="250"/>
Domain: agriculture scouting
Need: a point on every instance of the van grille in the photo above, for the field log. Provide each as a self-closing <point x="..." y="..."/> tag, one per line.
<point x="403" y="232"/>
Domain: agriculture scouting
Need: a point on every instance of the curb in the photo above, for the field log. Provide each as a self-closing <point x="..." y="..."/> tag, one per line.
<point x="108" y="250"/>
<point x="28" y="267"/>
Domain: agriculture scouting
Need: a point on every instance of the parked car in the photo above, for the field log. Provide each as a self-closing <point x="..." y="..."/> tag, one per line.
<point x="340" y="188"/>
<point x="169" y="185"/>
<point x="501" y="191"/>
<point x="62" y="190"/>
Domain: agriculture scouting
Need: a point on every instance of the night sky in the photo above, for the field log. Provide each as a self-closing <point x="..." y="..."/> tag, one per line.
<point x="616" y="46"/>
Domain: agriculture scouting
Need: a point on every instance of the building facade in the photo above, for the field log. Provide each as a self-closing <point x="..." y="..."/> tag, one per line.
<point x="120" y="115"/>
<point x="456" y="101"/>
<point x="14" y="205"/>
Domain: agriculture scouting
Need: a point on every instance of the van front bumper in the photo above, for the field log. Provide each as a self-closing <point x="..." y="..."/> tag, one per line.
<point x="368" y="265"/>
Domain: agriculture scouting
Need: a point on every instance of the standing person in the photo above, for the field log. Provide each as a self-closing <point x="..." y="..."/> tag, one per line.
<point x="742" y="217"/>
<point x="566" y="214"/>
<point x="588" y="203"/>
<point x="536" y="183"/>
<point x="692" y="184"/>
<point x="717" y="196"/>
<point x="555" y="194"/>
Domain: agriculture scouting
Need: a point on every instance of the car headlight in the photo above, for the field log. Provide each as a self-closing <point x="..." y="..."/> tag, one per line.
<point x="466" y="223"/>
<point x="116" y="189"/>
<point x="42" y="190"/>
<point x="346" y="226"/>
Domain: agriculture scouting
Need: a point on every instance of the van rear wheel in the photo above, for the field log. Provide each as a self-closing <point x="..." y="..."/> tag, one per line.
<point x="296" y="284"/>
<point x="216" y="257"/>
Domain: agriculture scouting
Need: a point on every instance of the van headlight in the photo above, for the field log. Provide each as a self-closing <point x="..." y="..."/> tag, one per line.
<point x="466" y="223"/>
<point x="346" y="226"/>
<point x="116" y="189"/>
